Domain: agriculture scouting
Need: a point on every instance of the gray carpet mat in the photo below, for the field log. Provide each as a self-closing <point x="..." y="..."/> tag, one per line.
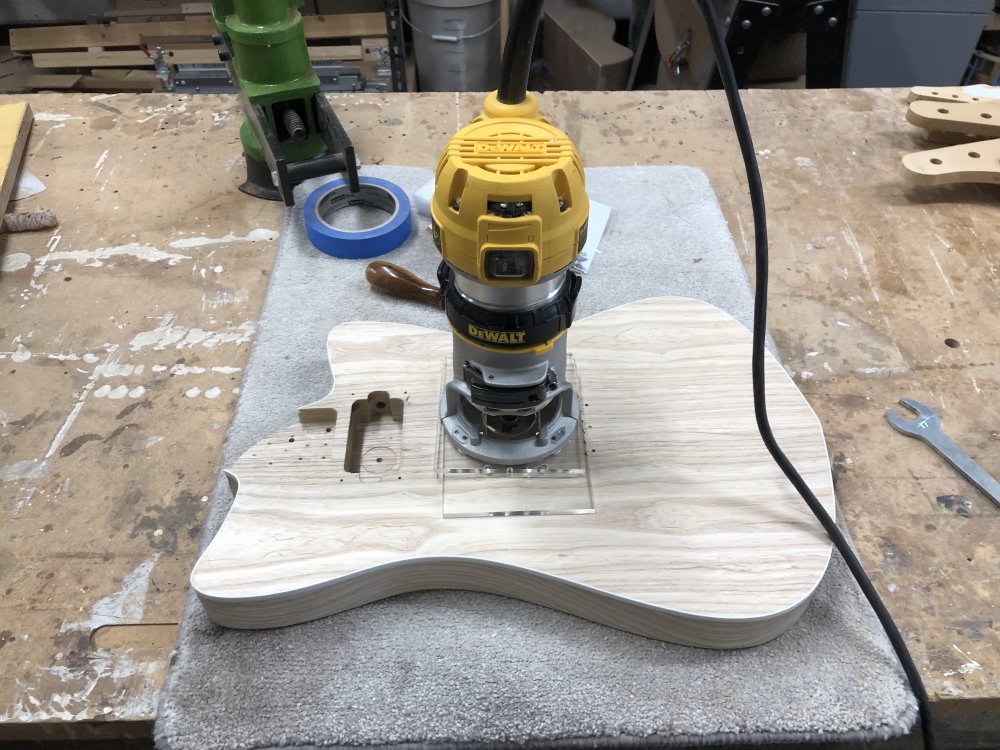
<point x="467" y="670"/>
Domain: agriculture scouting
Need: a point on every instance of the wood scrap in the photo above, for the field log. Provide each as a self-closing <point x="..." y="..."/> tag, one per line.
<point x="972" y="118"/>
<point x="945" y="94"/>
<point x="960" y="115"/>
<point x="967" y="162"/>
<point x="15" y="124"/>
<point x="78" y="82"/>
<point x="141" y="10"/>
<point x="129" y="35"/>
<point x="175" y="43"/>
<point x="106" y="36"/>
<point x="580" y="49"/>
<point x="139" y="59"/>
<point x="140" y="16"/>
<point x="93" y="51"/>
<point x="54" y="81"/>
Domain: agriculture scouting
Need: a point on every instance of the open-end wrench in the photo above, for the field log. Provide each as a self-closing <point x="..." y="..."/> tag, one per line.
<point x="927" y="427"/>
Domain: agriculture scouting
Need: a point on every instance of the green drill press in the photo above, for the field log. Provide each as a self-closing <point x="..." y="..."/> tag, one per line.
<point x="290" y="133"/>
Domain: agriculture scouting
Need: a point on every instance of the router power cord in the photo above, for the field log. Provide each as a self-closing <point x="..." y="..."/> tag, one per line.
<point x="515" y="65"/>
<point x="514" y="69"/>
<point x="725" y="66"/>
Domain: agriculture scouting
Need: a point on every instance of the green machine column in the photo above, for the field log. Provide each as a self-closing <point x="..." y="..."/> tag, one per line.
<point x="221" y="10"/>
<point x="271" y="60"/>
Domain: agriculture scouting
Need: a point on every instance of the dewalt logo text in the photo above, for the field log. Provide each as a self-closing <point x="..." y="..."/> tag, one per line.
<point x="496" y="337"/>
<point x="515" y="147"/>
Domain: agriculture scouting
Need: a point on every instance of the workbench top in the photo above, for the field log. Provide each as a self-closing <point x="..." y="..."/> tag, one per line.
<point x="124" y="332"/>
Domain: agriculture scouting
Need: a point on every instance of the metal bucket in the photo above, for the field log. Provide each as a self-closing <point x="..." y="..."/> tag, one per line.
<point x="457" y="44"/>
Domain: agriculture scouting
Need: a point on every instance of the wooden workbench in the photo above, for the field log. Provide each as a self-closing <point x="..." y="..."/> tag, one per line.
<point x="123" y="334"/>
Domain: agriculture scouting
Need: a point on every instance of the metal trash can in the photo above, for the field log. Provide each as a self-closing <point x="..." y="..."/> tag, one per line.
<point x="456" y="43"/>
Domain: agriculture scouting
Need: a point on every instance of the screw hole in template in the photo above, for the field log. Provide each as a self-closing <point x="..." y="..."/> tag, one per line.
<point x="935" y="161"/>
<point x="986" y="115"/>
<point x="952" y="343"/>
<point x="942" y="110"/>
<point x="974" y="154"/>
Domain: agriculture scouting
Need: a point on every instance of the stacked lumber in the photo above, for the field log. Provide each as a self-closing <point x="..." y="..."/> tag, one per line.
<point x="155" y="10"/>
<point x="127" y="51"/>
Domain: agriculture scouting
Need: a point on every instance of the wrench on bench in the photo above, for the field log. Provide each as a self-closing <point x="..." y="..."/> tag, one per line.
<point x="927" y="427"/>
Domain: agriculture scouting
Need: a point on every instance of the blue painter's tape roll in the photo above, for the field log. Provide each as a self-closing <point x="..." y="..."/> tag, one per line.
<point x="324" y="202"/>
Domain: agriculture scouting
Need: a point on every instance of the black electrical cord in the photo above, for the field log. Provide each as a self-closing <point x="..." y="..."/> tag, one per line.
<point x="726" y="72"/>
<point x="516" y="61"/>
<point x="514" y="68"/>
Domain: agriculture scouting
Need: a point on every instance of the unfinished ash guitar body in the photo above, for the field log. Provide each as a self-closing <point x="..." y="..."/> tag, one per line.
<point x="685" y="529"/>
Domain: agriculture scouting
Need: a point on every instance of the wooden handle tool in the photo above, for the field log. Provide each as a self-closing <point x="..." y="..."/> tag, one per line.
<point x="399" y="282"/>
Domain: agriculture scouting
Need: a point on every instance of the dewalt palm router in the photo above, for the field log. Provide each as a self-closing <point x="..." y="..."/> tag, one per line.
<point x="509" y="216"/>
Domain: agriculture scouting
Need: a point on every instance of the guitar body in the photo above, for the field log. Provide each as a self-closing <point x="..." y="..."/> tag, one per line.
<point x="683" y="528"/>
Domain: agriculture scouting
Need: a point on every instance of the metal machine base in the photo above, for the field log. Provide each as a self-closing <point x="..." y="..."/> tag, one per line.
<point x="531" y="437"/>
<point x="258" y="182"/>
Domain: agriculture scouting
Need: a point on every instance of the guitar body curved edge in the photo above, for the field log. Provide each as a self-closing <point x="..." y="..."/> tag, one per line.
<point x="696" y="537"/>
<point x="463" y="574"/>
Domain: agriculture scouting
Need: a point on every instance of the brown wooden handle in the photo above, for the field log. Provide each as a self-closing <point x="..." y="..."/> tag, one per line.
<point x="396" y="280"/>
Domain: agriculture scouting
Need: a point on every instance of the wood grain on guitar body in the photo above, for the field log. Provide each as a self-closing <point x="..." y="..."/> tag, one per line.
<point x="695" y="536"/>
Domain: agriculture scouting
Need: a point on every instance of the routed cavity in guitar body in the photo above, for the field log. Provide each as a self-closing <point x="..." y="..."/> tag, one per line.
<point x="375" y="436"/>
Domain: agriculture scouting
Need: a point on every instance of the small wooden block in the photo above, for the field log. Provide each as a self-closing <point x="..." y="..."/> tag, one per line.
<point x="695" y="537"/>
<point x="967" y="162"/>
